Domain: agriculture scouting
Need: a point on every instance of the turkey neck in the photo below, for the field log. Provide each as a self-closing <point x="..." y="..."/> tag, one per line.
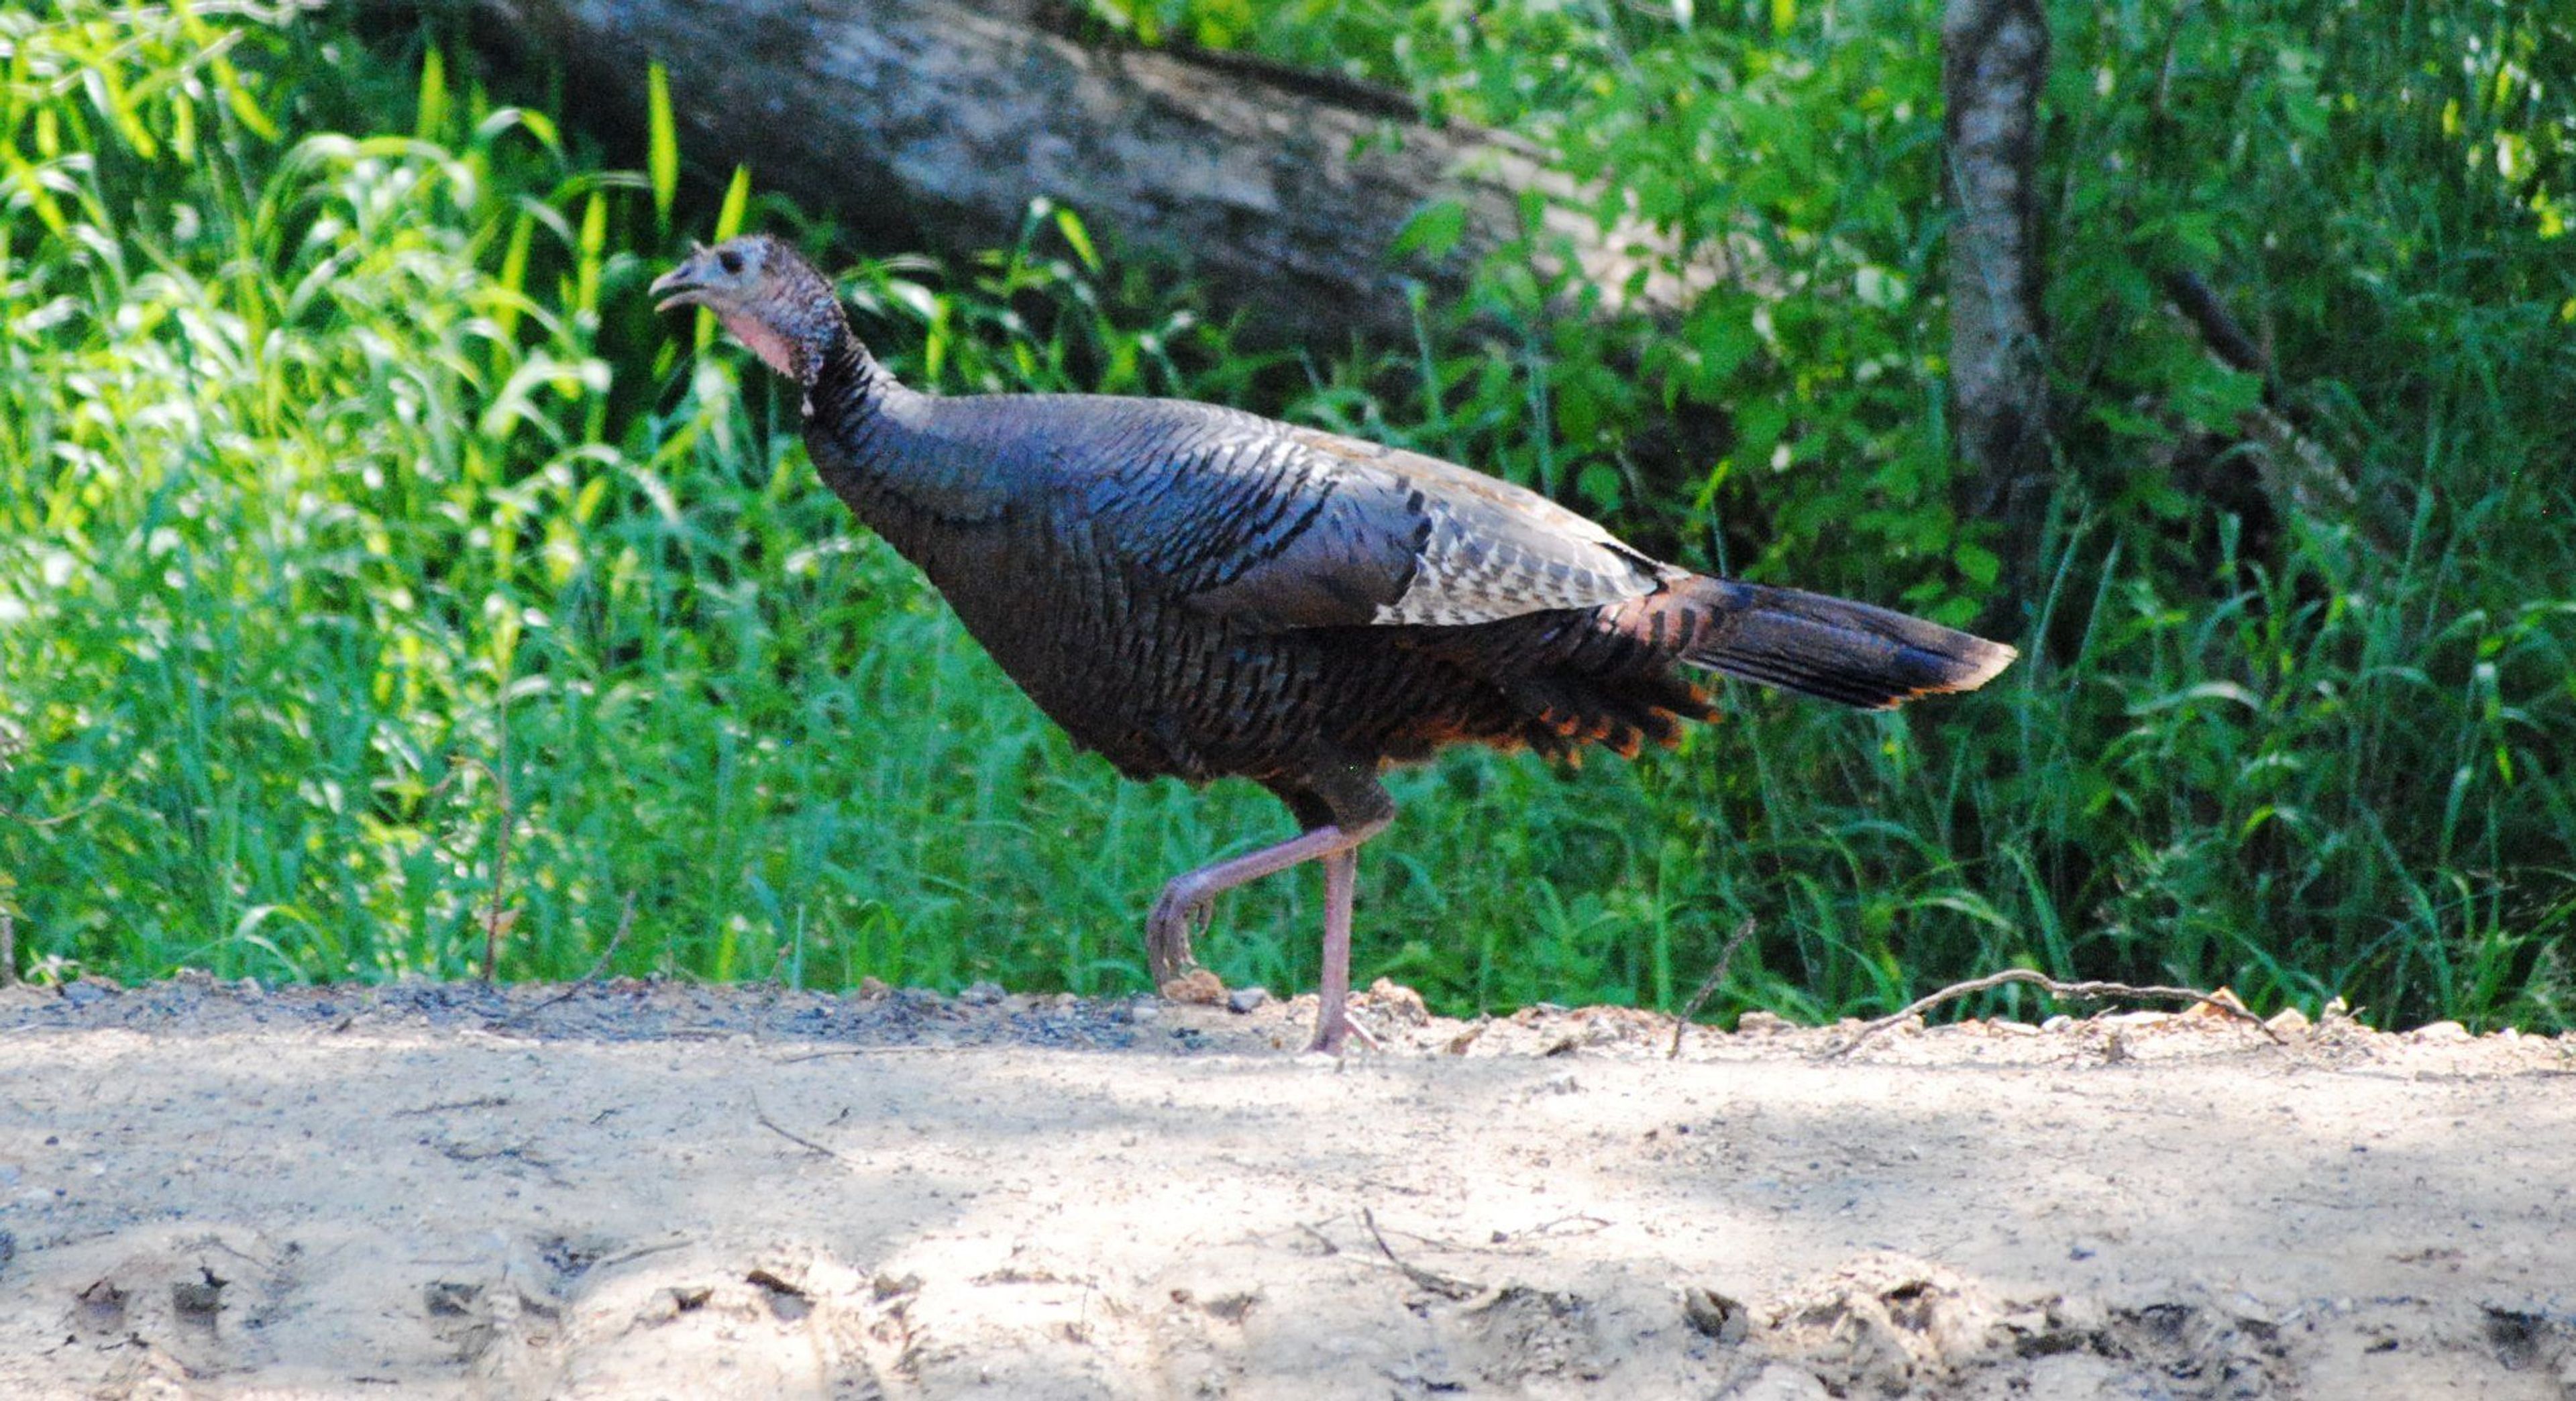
<point x="849" y="428"/>
<point x="881" y="448"/>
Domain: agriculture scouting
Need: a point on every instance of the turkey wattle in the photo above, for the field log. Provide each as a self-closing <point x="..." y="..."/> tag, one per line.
<point x="1198" y="592"/>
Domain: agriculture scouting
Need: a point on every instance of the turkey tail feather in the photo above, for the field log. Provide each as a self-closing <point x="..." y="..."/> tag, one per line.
<point x="1831" y="648"/>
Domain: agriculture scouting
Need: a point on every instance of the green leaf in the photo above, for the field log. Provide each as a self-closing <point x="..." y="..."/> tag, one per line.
<point x="662" y="145"/>
<point x="1069" y="224"/>
<point x="431" y="124"/>
<point x="1433" y="231"/>
<point x="1599" y="482"/>
<point x="737" y="202"/>
<point x="1977" y="564"/>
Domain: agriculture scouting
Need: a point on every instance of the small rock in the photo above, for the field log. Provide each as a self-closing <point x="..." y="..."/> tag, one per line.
<point x="886" y="1286"/>
<point x="2080" y="1313"/>
<point x="2060" y="1022"/>
<point x="2253" y="1312"/>
<point x="2289" y="1021"/>
<point x="871" y="988"/>
<point x="672" y="1301"/>
<point x="1714" y="1315"/>
<point x="84" y="993"/>
<point x="1779" y="1382"/>
<point x="1243" y="1000"/>
<point x="1234" y="1307"/>
<point x="1760" y="1024"/>
<point x="250" y="989"/>
<point x="199" y="1299"/>
<point x="788" y="1302"/>
<point x="1562" y="1083"/>
<point x="2441" y="1034"/>
<point x="2014" y="1028"/>
<point x="2223" y="1005"/>
<point x="981" y="994"/>
<point x="1395" y="1000"/>
<point x="102" y="1307"/>
<point x="449" y="1297"/>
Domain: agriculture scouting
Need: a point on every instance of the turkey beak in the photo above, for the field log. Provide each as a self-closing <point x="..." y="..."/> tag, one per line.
<point x="681" y="286"/>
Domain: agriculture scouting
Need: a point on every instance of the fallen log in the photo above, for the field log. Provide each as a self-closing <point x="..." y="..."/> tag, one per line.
<point x="938" y="121"/>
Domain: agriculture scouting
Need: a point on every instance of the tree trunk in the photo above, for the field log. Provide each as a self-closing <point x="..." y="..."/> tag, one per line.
<point x="1994" y="60"/>
<point x="940" y="120"/>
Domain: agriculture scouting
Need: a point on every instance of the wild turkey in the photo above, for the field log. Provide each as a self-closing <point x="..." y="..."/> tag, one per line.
<point x="1195" y="591"/>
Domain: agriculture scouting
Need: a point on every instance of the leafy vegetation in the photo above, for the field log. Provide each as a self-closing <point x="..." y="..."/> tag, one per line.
<point x="360" y="525"/>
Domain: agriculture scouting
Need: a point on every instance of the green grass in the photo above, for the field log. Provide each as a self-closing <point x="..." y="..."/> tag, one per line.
<point x="347" y="480"/>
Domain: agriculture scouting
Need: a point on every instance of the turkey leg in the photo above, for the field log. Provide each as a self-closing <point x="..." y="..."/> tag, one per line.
<point x="1167" y="930"/>
<point x="1332" y="1012"/>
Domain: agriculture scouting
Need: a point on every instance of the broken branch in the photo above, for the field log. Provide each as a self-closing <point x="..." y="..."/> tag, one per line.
<point x="1708" y="986"/>
<point x="2054" y="988"/>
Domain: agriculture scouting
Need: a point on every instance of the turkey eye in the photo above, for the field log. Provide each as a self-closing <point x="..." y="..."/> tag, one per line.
<point x="731" y="262"/>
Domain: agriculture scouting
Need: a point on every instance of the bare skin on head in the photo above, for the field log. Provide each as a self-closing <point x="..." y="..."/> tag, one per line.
<point x="1192" y="591"/>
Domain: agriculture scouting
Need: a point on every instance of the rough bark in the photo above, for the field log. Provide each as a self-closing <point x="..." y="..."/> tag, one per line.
<point x="2296" y="469"/>
<point x="1994" y="60"/>
<point x="942" y="119"/>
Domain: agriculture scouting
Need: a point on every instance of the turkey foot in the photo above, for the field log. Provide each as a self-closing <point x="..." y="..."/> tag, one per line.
<point x="1167" y="930"/>
<point x="1168" y="957"/>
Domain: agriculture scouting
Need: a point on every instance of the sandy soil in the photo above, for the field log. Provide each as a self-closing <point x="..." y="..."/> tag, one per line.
<point x="633" y="1190"/>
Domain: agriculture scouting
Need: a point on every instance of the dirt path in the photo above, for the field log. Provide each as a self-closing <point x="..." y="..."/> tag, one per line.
<point x="431" y="1191"/>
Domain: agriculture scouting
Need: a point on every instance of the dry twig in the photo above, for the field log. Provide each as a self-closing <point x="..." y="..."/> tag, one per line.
<point x="625" y="921"/>
<point x="1708" y="986"/>
<point x="865" y="1051"/>
<point x="492" y="925"/>
<point x="1441" y="1285"/>
<point x="2053" y="988"/>
<point x="791" y="1136"/>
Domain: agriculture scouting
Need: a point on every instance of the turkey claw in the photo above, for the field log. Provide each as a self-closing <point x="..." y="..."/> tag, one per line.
<point x="1167" y="937"/>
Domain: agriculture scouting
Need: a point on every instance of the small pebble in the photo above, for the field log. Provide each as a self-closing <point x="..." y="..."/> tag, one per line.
<point x="981" y="994"/>
<point x="199" y="1298"/>
<point x="1243" y="1000"/>
<point x="1714" y="1315"/>
<point x="83" y="993"/>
